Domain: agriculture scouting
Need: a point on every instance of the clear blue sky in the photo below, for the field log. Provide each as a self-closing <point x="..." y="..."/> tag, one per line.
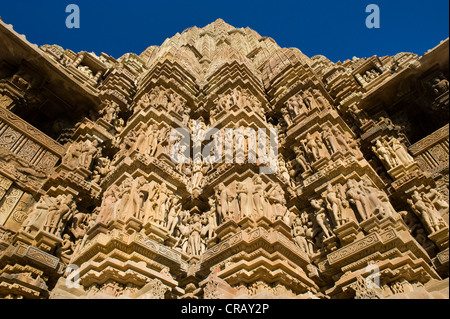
<point x="334" y="28"/>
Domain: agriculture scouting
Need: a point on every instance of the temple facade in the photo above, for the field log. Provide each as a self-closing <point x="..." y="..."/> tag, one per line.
<point x="220" y="165"/>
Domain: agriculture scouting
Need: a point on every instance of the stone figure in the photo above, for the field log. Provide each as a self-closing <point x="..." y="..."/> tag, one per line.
<point x="152" y="141"/>
<point x="357" y="197"/>
<point x="439" y="85"/>
<point x="86" y="71"/>
<point x="88" y="153"/>
<point x="212" y="117"/>
<point x="359" y="116"/>
<point x="347" y="213"/>
<point x="185" y="117"/>
<point x="301" y="159"/>
<point x="286" y="116"/>
<point x="110" y="112"/>
<point x="197" y="174"/>
<point x="386" y="157"/>
<point x="107" y="209"/>
<point x="307" y="100"/>
<point x="67" y="247"/>
<point x="172" y="216"/>
<point x="341" y="140"/>
<point x="321" y="101"/>
<point x="224" y="103"/>
<point x="124" y="196"/>
<point x="379" y="200"/>
<point x="194" y="241"/>
<point x="161" y="203"/>
<point x="311" y="147"/>
<point x="293" y="108"/>
<point x="101" y="169"/>
<point x="438" y="201"/>
<point x="149" y="194"/>
<point x="282" y="169"/>
<point x="276" y="198"/>
<point x="143" y="103"/>
<point x="243" y="197"/>
<point x="140" y="143"/>
<point x="299" y="234"/>
<point x="178" y="105"/>
<point x="334" y="204"/>
<point x="38" y="212"/>
<point x="320" y="216"/>
<point x="59" y="214"/>
<point x="330" y="139"/>
<point x="400" y="151"/>
<point x="212" y="218"/>
<point x="425" y="210"/>
<point x="72" y="155"/>
<point x="311" y="99"/>
<point x="258" y="196"/>
<point x="222" y="194"/>
<point x="131" y="205"/>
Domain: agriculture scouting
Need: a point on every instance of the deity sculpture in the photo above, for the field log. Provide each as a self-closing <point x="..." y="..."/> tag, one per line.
<point x="222" y="195"/>
<point x="197" y="174"/>
<point x="212" y="218"/>
<point x="320" y="216"/>
<point x="425" y="210"/>
<point x="307" y="100"/>
<point x="172" y="216"/>
<point x="258" y="196"/>
<point x="59" y="214"/>
<point x="110" y="112"/>
<point x="334" y="204"/>
<point x="378" y="199"/>
<point x="341" y="140"/>
<point x="438" y="201"/>
<point x="299" y="234"/>
<point x="194" y="240"/>
<point x="322" y="102"/>
<point x="132" y="201"/>
<point x="400" y="151"/>
<point x="67" y="247"/>
<point x="301" y="159"/>
<point x="311" y="146"/>
<point x="330" y="139"/>
<point x="357" y="197"/>
<point x="276" y="197"/>
<point x="108" y="207"/>
<point x="88" y="153"/>
<point x="143" y="103"/>
<point x="282" y="169"/>
<point x="161" y="203"/>
<point x="101" y="169"/>
<point x="359" y="116"/>
<point x="37" y="212"/>
<point x="286" y="116"/>
<point x="140" y="143"/>
<point x="243" y="197"/>
<point x="388" y="159"/>
<point x="439" y="85"/>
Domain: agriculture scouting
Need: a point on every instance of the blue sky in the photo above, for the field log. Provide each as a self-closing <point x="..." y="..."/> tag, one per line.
<point x="335" y="29"/>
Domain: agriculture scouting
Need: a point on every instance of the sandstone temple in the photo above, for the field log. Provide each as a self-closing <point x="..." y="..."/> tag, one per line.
<point x="94" y="204"/>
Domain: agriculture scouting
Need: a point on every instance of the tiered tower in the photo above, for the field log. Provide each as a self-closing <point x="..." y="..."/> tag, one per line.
<point x="220" y="165"/>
